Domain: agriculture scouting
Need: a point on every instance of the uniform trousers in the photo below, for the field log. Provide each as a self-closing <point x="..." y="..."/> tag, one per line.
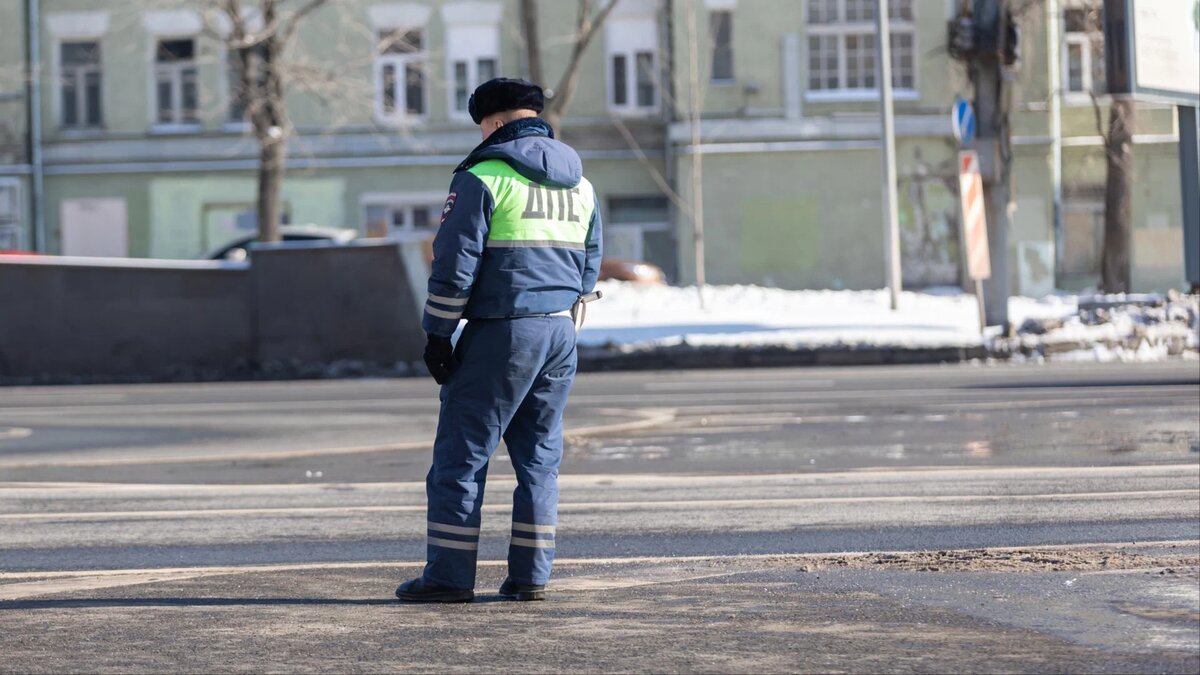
<point x="512" y="382"/>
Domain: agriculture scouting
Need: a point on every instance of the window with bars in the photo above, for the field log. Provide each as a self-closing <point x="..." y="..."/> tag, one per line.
<point x="842" y="44"/>
<point x="175" y="87"/>
<point x="720" y="27"/>
<point x="400" y="74"/>
<point x="1083" y="53"/>
<point x="81" y="105"/>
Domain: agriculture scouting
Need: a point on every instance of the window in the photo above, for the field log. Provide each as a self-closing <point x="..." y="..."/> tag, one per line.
<point x="1083" y="53"/>
<point x="402" y="219"/>
<point x="637" y="228"/>
<point x="841" y="46"/>
<point x="720" y="27"/>
<point x="239" y="98"/>
<point x="472" y="54"/>
<point x="632" y="46"/>
<point x="80" y="85"/>
<point x="10" y="215"/>
<point x="175" y="94"/>
<point x="400" y="78"/>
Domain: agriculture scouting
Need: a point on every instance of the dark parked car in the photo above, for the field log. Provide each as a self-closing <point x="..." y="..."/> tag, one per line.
<point x="236" y="250"/>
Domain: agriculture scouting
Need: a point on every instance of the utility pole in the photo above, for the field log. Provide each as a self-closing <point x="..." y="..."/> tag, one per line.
<point x="697" y="153"/>
<point x="33" y="92"/>
<point x="891" y="220"/>
<point x="984" y="37"/>
<point x="1054" y="70"/>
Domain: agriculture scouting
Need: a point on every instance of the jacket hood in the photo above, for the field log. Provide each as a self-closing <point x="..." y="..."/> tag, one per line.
<point x="529" y="147"/>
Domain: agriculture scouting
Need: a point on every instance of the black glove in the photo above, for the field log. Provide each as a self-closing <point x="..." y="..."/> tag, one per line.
<point x="439" y="358"/>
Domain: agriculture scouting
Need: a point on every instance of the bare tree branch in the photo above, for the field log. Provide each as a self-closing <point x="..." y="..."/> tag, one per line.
<point x="655" y="174"/>
<point x="584" y="32"/>
<point x="289" y="29"/>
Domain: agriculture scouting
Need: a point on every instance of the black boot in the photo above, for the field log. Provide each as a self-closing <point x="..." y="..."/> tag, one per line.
<point x="515" y="591"/>
<point x="419" y="590"/>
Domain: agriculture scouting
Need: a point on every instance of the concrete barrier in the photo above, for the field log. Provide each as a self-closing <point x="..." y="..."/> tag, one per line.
<point x="292" y="311"/>
<point x="319" y="303"/>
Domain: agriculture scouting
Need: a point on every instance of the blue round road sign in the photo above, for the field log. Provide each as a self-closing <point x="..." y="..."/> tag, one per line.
<point x="962" y="118"/>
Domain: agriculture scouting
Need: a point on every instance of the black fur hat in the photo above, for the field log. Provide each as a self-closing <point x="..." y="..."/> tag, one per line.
<point x="503" y="94"/>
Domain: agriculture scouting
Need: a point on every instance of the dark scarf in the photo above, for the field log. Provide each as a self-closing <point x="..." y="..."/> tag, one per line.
<point x="526" y="126"/>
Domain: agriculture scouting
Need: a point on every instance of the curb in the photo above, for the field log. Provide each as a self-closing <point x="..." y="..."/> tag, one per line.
<point x="687" y="357"/>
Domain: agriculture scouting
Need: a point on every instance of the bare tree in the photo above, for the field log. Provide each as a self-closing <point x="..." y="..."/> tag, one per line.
<point x="1115" y="276"/>
<point x="258" y="38"/>
<point x="586" y="26"/>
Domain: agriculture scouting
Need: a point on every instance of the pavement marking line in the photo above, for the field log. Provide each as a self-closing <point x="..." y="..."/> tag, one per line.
<point x="599" y="506"/>
<point x="14" y="432"/>
<point x="32" y="589"/>
<point x="670" y="398"/>
<point x="618" y="480"/>
<point x="739" y="385"/>
<point x="650" y="418"/>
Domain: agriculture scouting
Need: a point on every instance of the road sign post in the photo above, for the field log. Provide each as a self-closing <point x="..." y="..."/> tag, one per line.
<point x="974" y="227"/>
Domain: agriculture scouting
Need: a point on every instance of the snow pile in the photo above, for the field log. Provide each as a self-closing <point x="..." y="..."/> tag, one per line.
<point x="637" y="318"/>
<point x="1114" y="328"/>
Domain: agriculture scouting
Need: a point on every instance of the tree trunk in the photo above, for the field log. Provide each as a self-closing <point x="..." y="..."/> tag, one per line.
<point x="272" y="153"/>
<point x="533" y="50"/>
<point x="1118" y="215"/>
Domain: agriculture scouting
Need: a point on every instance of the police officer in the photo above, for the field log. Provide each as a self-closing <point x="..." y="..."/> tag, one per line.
<point x="519" y="245"/>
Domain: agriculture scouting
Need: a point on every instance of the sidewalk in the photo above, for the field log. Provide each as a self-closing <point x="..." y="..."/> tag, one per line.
<point x="636" y="327"/>
<point x="734" y="614"/>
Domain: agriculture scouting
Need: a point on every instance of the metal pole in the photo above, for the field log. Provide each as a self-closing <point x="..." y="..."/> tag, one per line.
<point x="697" y="155"/>
<point x="891" y="220"/>
<point x="992" y="103"/>
<point x="33" y="43"/>
<point x="1189" y="175"/>
<point x="1054" y="52"/>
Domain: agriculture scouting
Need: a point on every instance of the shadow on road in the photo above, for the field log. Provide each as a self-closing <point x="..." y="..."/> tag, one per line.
<point x="85" y="603"/>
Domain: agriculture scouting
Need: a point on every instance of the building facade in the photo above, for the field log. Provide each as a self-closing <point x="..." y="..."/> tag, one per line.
<point x="144" y="151"/>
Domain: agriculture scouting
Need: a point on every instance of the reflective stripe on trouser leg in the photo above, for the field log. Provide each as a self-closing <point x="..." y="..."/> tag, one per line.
<point x="535" y="445"/>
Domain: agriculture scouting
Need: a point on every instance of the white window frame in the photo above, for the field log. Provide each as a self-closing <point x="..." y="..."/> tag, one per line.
<point x="406" y="201"/>
<point x="469" y="45"/>
<point x="14" y="227"/>
<point x="81" y="73"/>
<point x="86" y="26"/>
<point x="472" y="35"/>
<point x="840" y="30"/>
<point x="712" y="51"/>
<point x="399" y="63"/>
<point x="174" y="72"/>
<point x="1085" y="40"/>
<point x="172" y="24"/>
<point x="630" y="37"/>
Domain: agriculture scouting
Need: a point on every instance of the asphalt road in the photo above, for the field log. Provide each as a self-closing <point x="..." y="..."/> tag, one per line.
<point x="675" y="486"/>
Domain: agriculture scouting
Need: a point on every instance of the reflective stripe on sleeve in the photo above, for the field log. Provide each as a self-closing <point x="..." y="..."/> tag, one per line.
<point x="532" y="543"/>
<point x="443" y="314"/>
<point x="450" y="543"/>
<point x="450" y="302"/>
<point x="454" y="529"/>
<point x="535" y="243"/>
<point x="529" y="527"/>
